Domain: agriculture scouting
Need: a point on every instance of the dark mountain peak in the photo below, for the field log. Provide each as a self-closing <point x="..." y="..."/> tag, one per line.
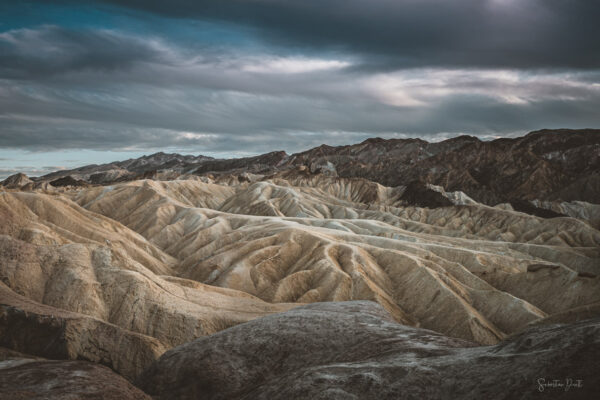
<point x="417" y="193"/>
<point x="559" y="140"/>
<point x="374" y="140"/>
<point x="16" y="181"/>
<point x="561" y="135"/>
<point x="16" y="177"/>
<point x="157" y="155"/>
<point x="68" y="181"/>
<point x="277" y="153"/>
<point x="561" y="131"/>
<point x="462" y="139"/>
<point x="264" y="163"/>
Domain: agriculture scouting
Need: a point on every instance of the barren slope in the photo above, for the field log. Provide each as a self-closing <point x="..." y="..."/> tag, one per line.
<point x="57" y="254"/>
<point x="473" y="271"/>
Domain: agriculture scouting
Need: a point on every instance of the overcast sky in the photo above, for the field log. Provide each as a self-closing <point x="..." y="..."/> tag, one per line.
<point x="93" y="81"/>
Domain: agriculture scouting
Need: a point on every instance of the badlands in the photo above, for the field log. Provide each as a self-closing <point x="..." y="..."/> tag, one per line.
<point x="304" y="276"/>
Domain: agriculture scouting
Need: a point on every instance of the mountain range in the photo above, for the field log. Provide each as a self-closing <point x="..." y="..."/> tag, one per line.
<point x="548" y="164"/>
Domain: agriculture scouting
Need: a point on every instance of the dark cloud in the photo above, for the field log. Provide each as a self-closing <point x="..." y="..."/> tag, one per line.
<point x="51" y="50"/>
<point x="230" y="122"/>
<point x="410" y="33"/>
<point x="478" y="67"/>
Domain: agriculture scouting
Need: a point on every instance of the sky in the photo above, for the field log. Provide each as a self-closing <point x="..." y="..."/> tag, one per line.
<point x="86" y="82"/>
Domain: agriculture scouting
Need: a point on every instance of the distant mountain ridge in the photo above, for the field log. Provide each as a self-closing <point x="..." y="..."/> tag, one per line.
<point x="553" y="165"/>
<point x="545" y="165"/>
<point x="127" y="169"/>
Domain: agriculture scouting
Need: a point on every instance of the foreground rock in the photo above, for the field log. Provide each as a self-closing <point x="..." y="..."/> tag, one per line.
<point x="354" y="350"/>
<point x="30" y="379"/>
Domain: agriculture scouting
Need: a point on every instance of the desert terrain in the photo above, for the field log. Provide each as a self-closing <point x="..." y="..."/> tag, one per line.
<point x="340" y="272"/>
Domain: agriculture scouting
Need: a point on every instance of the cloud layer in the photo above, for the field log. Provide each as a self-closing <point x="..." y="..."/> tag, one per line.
<point x="411" y="33"/>
<point x="307" y="73"/>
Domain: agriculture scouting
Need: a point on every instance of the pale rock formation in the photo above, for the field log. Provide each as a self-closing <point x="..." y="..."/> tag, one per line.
<point x="457" y="198"/>
<point x="183" y="249"/>
<point x="55" y="253"/>
<point x="460" y="270"/>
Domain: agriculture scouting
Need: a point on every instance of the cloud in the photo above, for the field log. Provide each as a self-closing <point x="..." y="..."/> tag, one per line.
<point x="422" y="86"/>
<point x="293" y="65"/>
<point x="51" y="50"/>
<point x="106" y="89"/>
<point x="232" y="121"/>
<point x="411" y="33"/>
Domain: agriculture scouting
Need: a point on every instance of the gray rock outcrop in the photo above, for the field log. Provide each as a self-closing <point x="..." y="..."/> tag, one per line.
<point x="354" y="350"/>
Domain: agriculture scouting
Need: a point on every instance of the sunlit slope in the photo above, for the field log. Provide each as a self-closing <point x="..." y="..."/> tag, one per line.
<point x="474" y="272"/>
<point x="54" y="252"/>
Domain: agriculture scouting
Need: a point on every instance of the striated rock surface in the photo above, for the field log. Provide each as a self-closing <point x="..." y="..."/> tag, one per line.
<point x="577" y="209"/>
<point x="354" y="350"/>
<point x="460" y="270"/>
<point x="80" y="285"/>
<point x="177" y="260"/>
